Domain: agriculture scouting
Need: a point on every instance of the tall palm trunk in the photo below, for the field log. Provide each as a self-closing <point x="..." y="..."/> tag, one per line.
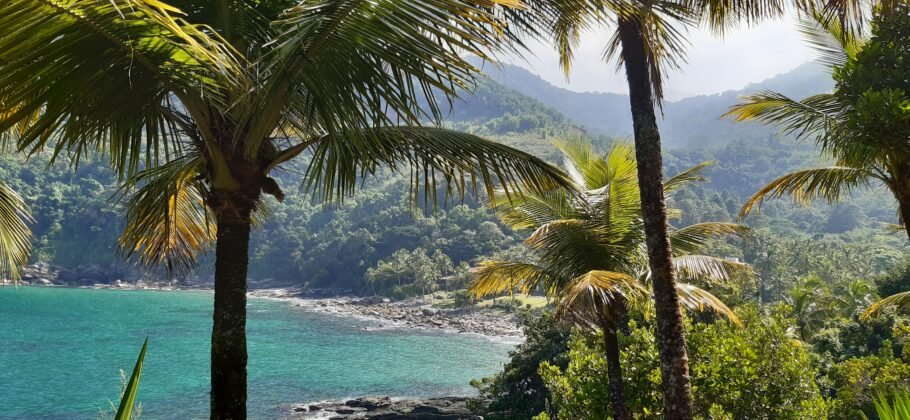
<point x="902" y="194"/>
<point x="674" y="363"/>
<point x="229" y="353"/>
<point x="614" y="372"/>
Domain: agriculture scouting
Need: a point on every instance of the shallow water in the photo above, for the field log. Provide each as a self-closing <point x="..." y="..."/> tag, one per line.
<point x="61" y="351"/>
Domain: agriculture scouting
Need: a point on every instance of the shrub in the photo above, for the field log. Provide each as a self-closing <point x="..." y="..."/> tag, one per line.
<point x="856" y="383"/>
<point x="518" y="391"/>
<point x="757" y="371"/>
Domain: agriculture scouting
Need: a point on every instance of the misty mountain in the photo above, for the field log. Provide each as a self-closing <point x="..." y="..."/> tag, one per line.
<point x="513" y="92"/>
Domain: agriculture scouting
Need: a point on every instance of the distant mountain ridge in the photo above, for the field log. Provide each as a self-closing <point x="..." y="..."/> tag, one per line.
<point x="690" y="122"/>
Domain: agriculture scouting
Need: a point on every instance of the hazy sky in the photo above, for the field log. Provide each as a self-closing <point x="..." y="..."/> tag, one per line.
<point x="743" y="56"/>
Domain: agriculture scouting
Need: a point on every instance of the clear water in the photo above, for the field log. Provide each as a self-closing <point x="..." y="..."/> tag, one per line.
<point x="61" y="351"/>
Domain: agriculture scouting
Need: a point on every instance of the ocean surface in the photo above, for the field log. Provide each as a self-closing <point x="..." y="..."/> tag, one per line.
<point x="61" y="351"/>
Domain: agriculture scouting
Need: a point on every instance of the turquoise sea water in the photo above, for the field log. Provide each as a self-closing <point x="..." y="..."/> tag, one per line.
<point x="61" y="351"/>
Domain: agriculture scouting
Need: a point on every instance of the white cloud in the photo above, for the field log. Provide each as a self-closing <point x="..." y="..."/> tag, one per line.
<point x="714" y="65"/>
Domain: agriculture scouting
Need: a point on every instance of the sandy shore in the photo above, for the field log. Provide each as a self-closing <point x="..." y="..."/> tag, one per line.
<point x="409" y="313"/>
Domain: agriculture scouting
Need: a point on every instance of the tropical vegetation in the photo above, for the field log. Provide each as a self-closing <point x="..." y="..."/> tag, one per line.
<point x="860" y="127"/>
<point x="194" y="116"/>
<point x="196" y="103"/>
<point x="589" y="248"/>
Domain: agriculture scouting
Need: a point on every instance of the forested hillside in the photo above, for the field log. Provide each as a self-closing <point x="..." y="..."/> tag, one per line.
<point x="77" y="217"/>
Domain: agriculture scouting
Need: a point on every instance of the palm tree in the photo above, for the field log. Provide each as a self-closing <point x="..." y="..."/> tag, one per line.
<point x="649" y="38"/>
<point x="863" y="152"/>
<point x="812" y="305"/>
<point x="15" y="236"/>
<point x="196" y="105"/>
<point x="591" y="251"/>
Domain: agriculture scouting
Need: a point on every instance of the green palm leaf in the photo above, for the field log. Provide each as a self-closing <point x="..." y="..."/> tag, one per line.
<point x="15" y="236"/>
<point x="137" y="57"/>
<point x="572" y="247"/>
<point x="597" y="296"/>
<point x="696" y="299"/>
<point x="167" y="220"/>
<point x="708" y="268"/>
<point x="494" y="277"/>
<point x="901" y="301"/>
<point x="828" y="183"/>
<point x="833" y="45"/>
<point x="693" y="238"/>
<point x="433" y="155"/>
<point x="533" y="210"/>
<point x="896" y="409"/>
<point x="334" y="61"/>
<point x="693" y="174"/>
<point x="811" y="116"/>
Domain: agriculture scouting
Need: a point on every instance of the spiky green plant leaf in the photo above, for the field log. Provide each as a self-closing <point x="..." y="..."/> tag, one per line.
<point x="125" y="410"/>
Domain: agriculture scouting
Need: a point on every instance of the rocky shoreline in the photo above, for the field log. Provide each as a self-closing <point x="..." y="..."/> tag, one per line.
<point x="386" y="408"/>
<point x="408" y="313"/>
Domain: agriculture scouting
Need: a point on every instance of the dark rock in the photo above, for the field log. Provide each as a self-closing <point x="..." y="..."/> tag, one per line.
<point x="348" y="410"/>
<point x="370" y="403"/>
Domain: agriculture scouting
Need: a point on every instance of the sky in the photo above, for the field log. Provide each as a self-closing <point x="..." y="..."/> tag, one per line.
<point x="743" y="56"/>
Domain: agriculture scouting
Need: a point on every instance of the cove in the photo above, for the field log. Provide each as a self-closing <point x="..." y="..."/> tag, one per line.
<point x="61" y="351"/>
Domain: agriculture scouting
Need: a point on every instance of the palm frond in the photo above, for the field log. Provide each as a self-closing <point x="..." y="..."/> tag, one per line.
<point x="693" y="174"/>
<point x="101" y="75"/>
<point x="532" y="210"/>
<point x="721" y="15"/>
<point x="460" y="161"/>
<point x="594" y="297"/>
<point x="168" y="223"/>
<point x="704" y="267"/>
<point x="693" y="238"/>
<point x="851" y="15"/>
<point x="585" y="166"/>
<point x="362" y="63"/>
<point x="901" y="301"/>
<point x="495" y="277"/>
<point x="15" y="236"/>
<point x="697" y="299"/>
<point x="572" y="247"/>
<point x="569" y="23"/>
<point x="829" y="183"/>
<point x="808" y="117"/>
<point x="833" y="45"/>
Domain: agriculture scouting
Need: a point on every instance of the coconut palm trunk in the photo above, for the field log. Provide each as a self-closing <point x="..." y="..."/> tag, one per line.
<point x="614" y="371"/>
<point x="901" y="192"/>
<point x="229" y="353"/>
<point x="674" y="363"/>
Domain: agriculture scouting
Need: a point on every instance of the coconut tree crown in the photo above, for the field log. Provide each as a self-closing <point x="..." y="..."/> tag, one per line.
<point x="589" y="239"/>
<point x="196" y="103"/>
